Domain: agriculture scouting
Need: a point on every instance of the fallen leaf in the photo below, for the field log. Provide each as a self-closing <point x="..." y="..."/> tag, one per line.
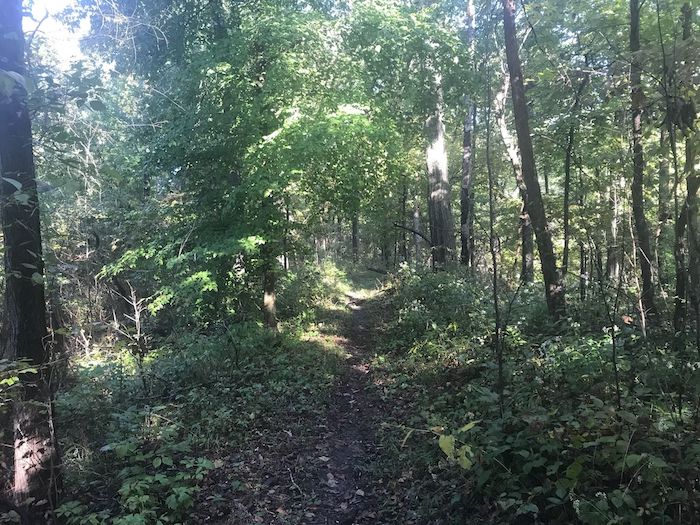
<point x="331" y="480"/>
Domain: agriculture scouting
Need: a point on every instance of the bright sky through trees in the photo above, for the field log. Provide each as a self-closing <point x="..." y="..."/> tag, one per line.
<point x="63" y="40"/>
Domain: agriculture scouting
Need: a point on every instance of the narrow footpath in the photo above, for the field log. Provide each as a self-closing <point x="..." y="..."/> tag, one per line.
<point x="346" y="493"/>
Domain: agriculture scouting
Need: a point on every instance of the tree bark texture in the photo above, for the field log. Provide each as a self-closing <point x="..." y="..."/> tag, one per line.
<point x="35" y="456"/>
<point x="439" y="208"/>
<point x="466" y="197"/>
<point x="527" y="243"/>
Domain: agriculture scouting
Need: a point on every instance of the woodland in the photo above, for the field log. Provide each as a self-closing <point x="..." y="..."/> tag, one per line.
<point x="336" y="262"/>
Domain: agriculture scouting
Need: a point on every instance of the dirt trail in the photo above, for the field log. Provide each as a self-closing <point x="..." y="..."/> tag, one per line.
<point x="346" y="495"/>
<point x="316" y="469"/>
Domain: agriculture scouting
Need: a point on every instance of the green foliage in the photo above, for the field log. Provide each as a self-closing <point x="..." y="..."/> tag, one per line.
<point x="432" y="308"/>
<point x="139" y="441"/>
<point x="562" y="452"/>
<point x="201" y="143"/>
<point x="11" y="373"/>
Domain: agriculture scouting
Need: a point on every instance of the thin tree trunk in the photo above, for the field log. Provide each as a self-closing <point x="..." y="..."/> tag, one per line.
<point x="527" y="244"/>
<point x="567" y="172"/>
<point x="35" y="452"/>
<point x="339" y="240"/>
<point x="613" y="261"/>
<point x="583" y="253"/>
<point x="270" y="296"/>
<point x="466" y="197"/>
<point x="355" y="239"/>
<point x="493" y="248"/>
<point x="641" y="226"/>
<point x="693" y="202"/>
<point x="439" y="208"/>
<point x="554" y="286"/>
<point x="405" y="255"/>
<point x="416" y="228"/>
<point x="663" y="213"/>
<point x="285" y="239"/>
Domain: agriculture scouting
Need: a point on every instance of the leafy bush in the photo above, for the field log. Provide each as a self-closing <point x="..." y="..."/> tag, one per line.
<point x="142" y="433"/>
<point x="562" y="451"/>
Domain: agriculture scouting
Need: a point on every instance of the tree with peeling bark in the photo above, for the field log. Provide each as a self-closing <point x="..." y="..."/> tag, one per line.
<point x="554" y="285"/>
<point x="35" y="453"/>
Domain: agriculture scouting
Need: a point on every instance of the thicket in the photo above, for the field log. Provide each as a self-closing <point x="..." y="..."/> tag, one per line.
<point x="566" y="448"/>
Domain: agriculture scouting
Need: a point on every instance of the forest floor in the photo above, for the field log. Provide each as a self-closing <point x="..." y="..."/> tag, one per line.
<point x="318" y="468"/>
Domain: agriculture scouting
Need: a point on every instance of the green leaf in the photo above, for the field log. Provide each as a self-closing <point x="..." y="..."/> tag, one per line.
<point x="17" y="184"/>
<point x="464" y="462"/>
<point x="447" y="445"/>
<point x="574" y="470"/>
<point x="469" y="426"/>
<point x="528" y="508"/>
<point x="97" y="105"/>
<point x="632" y="459"/>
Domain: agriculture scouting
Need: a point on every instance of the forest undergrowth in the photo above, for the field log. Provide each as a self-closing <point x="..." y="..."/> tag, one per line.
<point x="240" y="425"/>
<point x="207" y="425"/>
<point x="562" y="450"/>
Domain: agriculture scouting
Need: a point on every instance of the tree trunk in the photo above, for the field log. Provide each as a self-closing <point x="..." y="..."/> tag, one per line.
<point x="494" y="250"/>
<point x="567" y="172"/>
<point x="613" y="260"/>
<point x="270" y="296"/>
<point x="439" y="210"/>
<point x="693" y="202"/>
<point x="554" y="287"/>
<point x="527" y="244"/>
<point x="416" y="237"/>
<point x="403" y="248"/>
<point x="641" y="227"/>
<point x="355" y="239"/>
<point x="339" y="240"/>
<point x="35" y="453"/>
<point x="583" y="253"/>
<point x="663" y="212"/>
<point x="466" y="198"/>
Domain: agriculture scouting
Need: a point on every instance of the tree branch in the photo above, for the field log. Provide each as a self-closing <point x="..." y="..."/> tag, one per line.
<point x="415" y="232"/>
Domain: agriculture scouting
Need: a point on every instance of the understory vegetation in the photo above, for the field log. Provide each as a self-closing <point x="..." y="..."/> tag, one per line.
<point x="562" y="450"/>
<point x="142" y="441"/>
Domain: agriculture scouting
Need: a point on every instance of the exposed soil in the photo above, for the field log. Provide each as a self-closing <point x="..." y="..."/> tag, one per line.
<point x="346" y="494"/>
